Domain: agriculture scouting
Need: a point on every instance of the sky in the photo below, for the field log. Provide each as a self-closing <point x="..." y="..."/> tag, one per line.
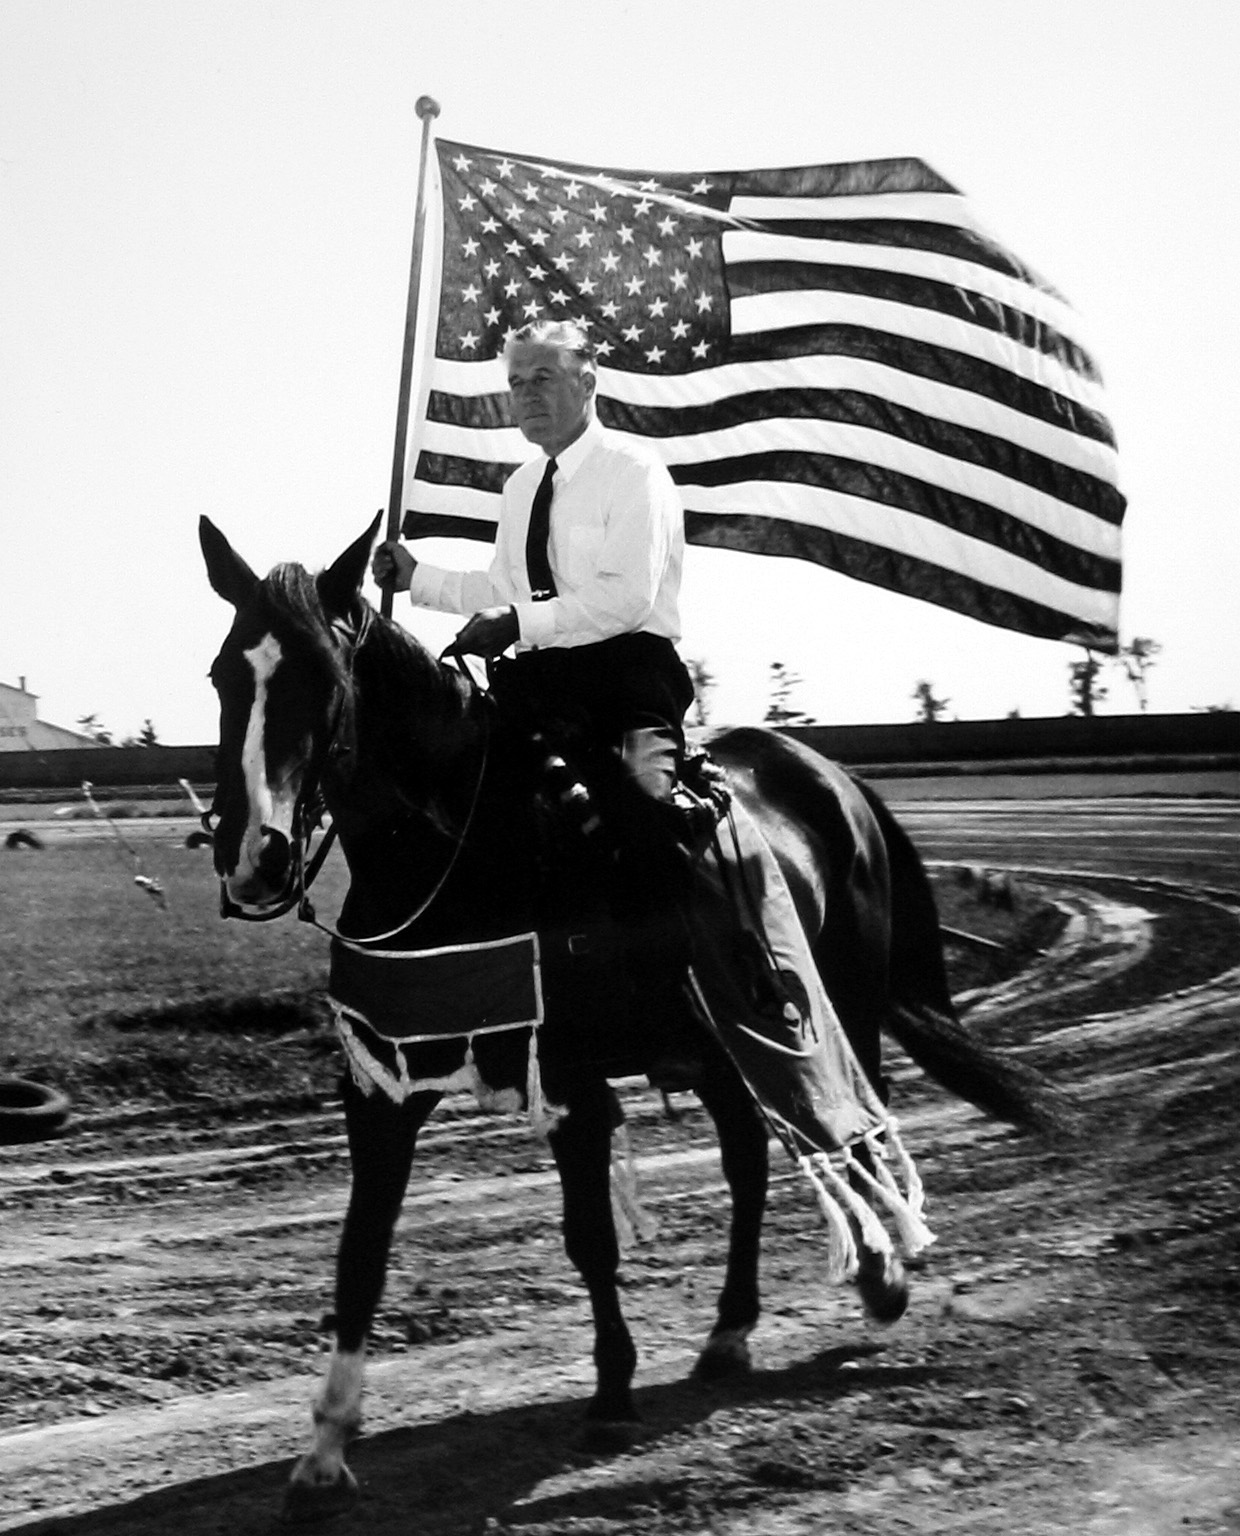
<point x="205" y="219"/>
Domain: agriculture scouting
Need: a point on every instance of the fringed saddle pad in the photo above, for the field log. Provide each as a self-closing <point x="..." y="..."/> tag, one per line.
<point x="397" y="1010"/>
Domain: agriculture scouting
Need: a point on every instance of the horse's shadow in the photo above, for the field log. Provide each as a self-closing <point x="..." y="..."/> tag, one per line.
<point x="456" y="1476"/>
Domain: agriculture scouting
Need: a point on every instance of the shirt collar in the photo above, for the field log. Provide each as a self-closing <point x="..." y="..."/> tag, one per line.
<point x="572" y="458"/>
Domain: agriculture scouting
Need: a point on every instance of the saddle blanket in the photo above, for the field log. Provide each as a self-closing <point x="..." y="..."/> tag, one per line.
<point x="392" y="1004"/>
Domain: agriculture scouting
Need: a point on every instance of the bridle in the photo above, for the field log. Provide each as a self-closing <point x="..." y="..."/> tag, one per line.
<point x="309" y="807"/>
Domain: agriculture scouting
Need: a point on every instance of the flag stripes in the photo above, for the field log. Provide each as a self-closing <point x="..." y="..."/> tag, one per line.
<point x="836" y="363"/>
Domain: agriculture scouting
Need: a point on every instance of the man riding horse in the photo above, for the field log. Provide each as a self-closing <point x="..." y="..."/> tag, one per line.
<point x="584" y="583"/>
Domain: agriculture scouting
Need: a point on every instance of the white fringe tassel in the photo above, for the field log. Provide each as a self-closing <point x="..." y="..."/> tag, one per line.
<point x="633" y="1221"/>
<point x="841" y="1249"/>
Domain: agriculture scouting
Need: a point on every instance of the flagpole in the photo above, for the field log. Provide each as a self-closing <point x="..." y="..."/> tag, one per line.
<point x="427" y="109"/>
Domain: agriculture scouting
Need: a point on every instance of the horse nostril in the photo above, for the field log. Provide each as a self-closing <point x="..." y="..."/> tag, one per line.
<point x="273" y="858"/>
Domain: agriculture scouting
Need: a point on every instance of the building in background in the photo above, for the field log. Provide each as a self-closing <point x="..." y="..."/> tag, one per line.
<point x="21" y="729"/>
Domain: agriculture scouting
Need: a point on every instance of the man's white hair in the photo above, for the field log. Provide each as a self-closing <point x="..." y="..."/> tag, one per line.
<point x="568" y="335"/>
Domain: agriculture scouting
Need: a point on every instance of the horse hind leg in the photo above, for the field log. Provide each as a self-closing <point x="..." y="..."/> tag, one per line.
<point x="382" y="1139"/>
<point x="743" y="1147"/>
<point x="581" y="1145"/>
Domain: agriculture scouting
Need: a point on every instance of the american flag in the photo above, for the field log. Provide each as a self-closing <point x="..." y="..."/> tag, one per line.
<point x="836" y="362"/>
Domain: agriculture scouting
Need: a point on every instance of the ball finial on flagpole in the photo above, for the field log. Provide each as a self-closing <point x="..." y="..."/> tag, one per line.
<point x="426" y="106"/>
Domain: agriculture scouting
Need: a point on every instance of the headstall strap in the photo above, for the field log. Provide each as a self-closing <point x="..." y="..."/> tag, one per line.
<point x="307" y="814"/>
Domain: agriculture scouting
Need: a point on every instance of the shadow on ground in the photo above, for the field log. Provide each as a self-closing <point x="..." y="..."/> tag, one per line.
<point x="466" y="1474"/>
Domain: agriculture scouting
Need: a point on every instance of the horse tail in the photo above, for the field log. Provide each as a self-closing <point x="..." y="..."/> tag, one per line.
<point x="922" y="1017"/>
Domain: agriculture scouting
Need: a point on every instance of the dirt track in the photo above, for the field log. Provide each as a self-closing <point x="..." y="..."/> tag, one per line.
<point x="1069" y="1362"/>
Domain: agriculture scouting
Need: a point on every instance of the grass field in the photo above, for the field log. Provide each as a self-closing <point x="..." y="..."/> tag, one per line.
<point x="117" y="997"/>
<point x="114" y="995"/>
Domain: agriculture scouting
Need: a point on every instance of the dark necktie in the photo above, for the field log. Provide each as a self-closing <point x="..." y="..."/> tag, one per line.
<point x="537" y="562"/>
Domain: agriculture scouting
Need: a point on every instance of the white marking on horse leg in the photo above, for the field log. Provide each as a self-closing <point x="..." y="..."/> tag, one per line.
<point x="337" y="1417"/>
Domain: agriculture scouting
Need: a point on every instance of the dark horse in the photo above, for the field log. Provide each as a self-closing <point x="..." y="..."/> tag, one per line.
<point x="321" y="697"/>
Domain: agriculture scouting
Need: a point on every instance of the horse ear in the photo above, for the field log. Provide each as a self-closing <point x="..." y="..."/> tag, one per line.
<point x="231" y="577"/>
<point x="340" y="585"/>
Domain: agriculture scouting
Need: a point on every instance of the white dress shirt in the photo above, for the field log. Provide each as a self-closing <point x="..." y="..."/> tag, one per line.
<point x="616" y="548"/>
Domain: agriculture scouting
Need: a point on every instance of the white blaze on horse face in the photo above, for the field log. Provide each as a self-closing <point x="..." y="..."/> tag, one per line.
<point x="269" y="807"/>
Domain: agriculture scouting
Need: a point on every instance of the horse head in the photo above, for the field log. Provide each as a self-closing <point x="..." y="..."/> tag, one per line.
<point x="283" y="676"/>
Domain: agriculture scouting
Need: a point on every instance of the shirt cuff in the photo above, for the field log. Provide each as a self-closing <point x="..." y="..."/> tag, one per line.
<point x="535" y="623"/>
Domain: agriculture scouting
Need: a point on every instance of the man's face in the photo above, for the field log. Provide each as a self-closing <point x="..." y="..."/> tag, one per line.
<point x="552" y="396"/>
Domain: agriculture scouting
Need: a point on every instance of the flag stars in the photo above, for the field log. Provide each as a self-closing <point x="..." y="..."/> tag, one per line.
<point x="635" y="285"/>
<point x="514" y="248"/>
<point x="532" y="309"/>
<point x="529" y="192"/>
<point x="470" y="294"/>
<point x="469" y="341"/>
<point x="700" y="350"/>
<point x="467" y="202"/>
<point x="573" y="189"/>
<point x="626" y="235"/>
<point x="492" y="316"/>
<point x="648" y="186"/>
<point x="679" y="280"/>
<point x="504" y="169"/>
<point x="512" y="288"/>
<point x="632" y="333"/>
<point x="643" y="207"/>
<point x="538" y="237"/>
<point x="704" y="303"/>
<point x="666" y="225"/>
<point x="492" y="269"/>
<point x="610" y="261"/>
<point x="536" y="273"/>
<point x="585" y="237"/>
<point x="514" y="211"/>
<point x="462" y="164"/>
<point x="563" y="261"/>
<point x="694" y="248"/>
<point x="652" y="256"/>
<point x="655" y="354"/>
<point x="557" y="216"/>
<point x="587" y="285"/>
<point x="488" y="188"/>
<point x="610" y="310"/>
<point x="489" y="226"/>
<point x="604" y="348"/>
<point x="700" y="188"/>
<point x="598" y="213"/>
<point x="656" y="308"/>
<point x="470" y="247"/>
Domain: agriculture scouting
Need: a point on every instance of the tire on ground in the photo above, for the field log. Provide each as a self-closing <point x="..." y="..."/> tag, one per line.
<point x="30" y="1111"/>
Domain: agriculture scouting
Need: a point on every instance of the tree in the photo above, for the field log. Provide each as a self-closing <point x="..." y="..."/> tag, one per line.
<point x="703" y="685"/>
<point x="146" y="737"/>
<point x="1083" y="684"/>
<point x="91" y="726"/>
<point x="929" y="708"/>
<point x="1136" y="658"/>
<point x="781" y="711"/>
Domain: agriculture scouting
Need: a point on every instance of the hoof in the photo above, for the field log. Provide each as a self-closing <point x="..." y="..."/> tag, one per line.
<point x="726" y="1355"/>
<point x="883" y="1287"/>
<point x="608" y="1437"/>
<point x="311" y="1503"/>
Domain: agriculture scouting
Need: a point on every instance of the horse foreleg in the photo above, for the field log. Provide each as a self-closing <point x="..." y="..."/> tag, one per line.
<point x="581" y="1145"/>
<point x="382" y="1138"/>
<point x="743" y="1147"/>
